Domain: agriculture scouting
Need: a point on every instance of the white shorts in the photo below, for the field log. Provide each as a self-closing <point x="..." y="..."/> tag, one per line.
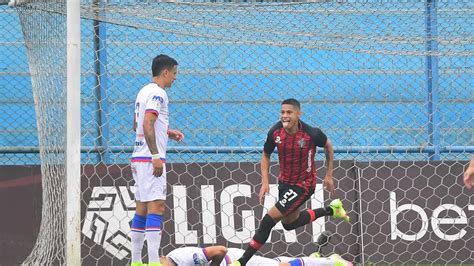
<point x="147" y="186"/>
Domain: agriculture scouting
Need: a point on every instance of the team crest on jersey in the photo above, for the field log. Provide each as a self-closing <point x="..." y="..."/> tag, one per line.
<point x="302" y="143"/>
<point x="278" y="140"/>
<point x="198" y="261"/>
<point x="157" y="98"/>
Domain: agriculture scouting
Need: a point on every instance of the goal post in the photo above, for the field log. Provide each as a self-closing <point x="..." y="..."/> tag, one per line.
<point x="73" y="136"/>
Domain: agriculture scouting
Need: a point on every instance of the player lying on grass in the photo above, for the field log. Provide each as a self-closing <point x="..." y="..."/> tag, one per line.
<point x="213" y="255"/>
<point x="220" y="255"/>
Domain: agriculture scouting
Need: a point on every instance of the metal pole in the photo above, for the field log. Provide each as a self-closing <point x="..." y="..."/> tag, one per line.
<point x="432" y="78"/>
<point x="73" y="135"/>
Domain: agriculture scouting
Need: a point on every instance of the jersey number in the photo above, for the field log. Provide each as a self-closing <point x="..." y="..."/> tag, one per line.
<point x="288" y="196"/>
<point x="137" y="110"/>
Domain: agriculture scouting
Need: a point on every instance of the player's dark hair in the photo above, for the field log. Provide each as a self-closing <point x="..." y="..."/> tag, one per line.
<point x="162" y="62"/>
<point x="293" y="102"/>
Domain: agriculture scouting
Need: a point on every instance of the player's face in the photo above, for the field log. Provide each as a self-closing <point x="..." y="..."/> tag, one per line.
<point x="289" y="116"/>
<point x="170" y="75"/>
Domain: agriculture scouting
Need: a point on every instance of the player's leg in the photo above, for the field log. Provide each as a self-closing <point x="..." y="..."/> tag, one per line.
<point x="137" y="234"/>
<point x="263" y="232"/>
<point x="156" y="210"/>
<point x="296" y="196"/>
<point x="154" y="193"/>
<point x="262" y="261"/>
<point x="297" y="218"/>
<point x="307" y="261"/>
<point x="287" y="196"/>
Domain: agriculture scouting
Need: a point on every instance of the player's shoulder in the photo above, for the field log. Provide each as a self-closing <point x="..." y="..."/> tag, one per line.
<point x="152" y="88"/>
<point x="153" y="92"/>
<point x="278" y="125"/>
<point x="157" y="89"/>
<point x="316" y="134"/>
<point x="310" y="129"/>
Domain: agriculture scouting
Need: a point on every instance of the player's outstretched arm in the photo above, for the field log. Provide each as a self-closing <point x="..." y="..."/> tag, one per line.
<point x="469" y="175"/>
<point x="216" y="254"/>
<point x="329" y="152"/>
<point x="265" y="170"/>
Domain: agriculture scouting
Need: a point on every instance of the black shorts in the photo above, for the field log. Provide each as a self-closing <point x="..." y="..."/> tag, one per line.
<point x="291" y="197"/>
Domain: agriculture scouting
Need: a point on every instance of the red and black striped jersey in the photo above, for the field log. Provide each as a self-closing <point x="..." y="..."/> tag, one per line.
<point x="295" y="153"/>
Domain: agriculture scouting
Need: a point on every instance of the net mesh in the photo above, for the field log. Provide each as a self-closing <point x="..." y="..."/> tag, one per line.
<point x="387" y="81"/>
<point x="48" y="83"/>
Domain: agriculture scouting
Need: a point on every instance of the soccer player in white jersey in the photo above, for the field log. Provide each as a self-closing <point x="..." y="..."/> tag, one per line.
<point x="191" y="256"/>
<point x="213" y="255"/>
<point x="151" y="124"/>
<point x="222" y="256"/>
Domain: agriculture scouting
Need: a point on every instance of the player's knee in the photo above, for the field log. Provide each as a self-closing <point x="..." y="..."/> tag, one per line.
<point x="141" y="208"/>
<point x="156" y="207"/>
<point x="264" y="229"/>
<point x="289" y="227"/>
<point x="267" y="221"/>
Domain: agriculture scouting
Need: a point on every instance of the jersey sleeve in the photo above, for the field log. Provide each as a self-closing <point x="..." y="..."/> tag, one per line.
<point x="154" y="102"/>
<point x="318" y="136"/>
<point x="270" y="144"/>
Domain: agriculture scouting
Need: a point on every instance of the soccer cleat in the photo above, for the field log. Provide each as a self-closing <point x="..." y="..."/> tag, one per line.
<point x="338" y="211"/>
<point x="235" y="263"/>
<point x="339" y="261"/>
<point x="154" y="264"/>
<point x="137" y="264"/>
<point x="315" y="255"/>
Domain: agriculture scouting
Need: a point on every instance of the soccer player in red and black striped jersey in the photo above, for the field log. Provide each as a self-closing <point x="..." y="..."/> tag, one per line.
<point x="296" y="143"/>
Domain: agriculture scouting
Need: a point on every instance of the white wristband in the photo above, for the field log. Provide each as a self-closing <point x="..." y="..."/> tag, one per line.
<point x="155" y="156"/>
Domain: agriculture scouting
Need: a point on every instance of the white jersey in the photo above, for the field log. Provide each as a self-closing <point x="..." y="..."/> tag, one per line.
<point x="194" y="256"/>
<point x="151" y="99"/>
<point x="189" y="256"/>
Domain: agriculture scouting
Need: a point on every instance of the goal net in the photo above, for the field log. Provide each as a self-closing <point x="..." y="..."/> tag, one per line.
<point x="389" y="82"/>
